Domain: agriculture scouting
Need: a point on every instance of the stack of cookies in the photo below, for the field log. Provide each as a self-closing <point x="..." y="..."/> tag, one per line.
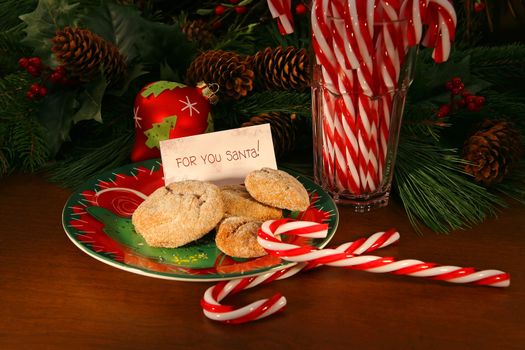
<point x="185" y="211"/>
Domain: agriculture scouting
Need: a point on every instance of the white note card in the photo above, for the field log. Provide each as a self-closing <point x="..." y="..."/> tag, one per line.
<point x="222" y="157"/>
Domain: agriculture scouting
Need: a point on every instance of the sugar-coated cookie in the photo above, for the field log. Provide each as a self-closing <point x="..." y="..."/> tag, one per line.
<point x="179" y="213"/>
<point x="238" y="202"/>
<point x="277" y="189"/>
<point x="237" y="237"/>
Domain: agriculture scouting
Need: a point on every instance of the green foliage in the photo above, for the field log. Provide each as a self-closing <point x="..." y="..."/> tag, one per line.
<point x="22" y="139"/>
<point x="44" y="21"/>
<point x="10" y="10"/>
<point x="435" y="192"/>
<point x="88" y="161"/>
<point x="89" y="129"/>
<point x="503" y="66"/>
<point x="274" y="101"/>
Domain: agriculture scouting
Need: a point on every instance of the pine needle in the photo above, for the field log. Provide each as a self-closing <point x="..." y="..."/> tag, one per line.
<point x="275" y="101"/>
<point x="435" y="192"/>
<point x="88" y="162"/>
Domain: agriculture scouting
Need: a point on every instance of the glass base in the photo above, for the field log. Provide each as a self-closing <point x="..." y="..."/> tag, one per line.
<point x="362" y="204"/>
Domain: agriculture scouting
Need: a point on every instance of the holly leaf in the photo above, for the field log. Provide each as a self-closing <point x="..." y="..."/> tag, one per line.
<point x="167" y="73"/>
<point x="160" y="131"/>
<point x="44" y="21"/>
<point x="140" y="39"/>
<point x="118" y="24"/>
<point x="91" y="101"/>
<point x="160" y="86"/>
<point x="133" y="73"/>
<point x="55" y="114"/>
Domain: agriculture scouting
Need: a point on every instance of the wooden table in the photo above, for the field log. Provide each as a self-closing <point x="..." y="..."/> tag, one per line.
<point x="52" y="295"/>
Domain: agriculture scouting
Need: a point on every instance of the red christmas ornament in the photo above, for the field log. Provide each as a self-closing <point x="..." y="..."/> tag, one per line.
<point x="166" y="110"/>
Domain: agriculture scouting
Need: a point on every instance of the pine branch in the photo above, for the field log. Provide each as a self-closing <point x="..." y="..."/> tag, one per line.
<point x="87" y="162"/>
<point x="514" y="185"/>
<point x="29" y="144"/>
<point x="435" y="192"/>
<point x="501" y="65"/>
<point x="11" y="9"/>
<point x="274" y="101"/>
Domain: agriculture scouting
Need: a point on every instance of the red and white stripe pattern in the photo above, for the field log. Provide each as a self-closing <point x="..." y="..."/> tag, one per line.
<point x="211" y="301"/>
<point x="348" y="255"/>
<point x="282" y="11"/>
<point x="360" y="46"/>
<point x="371" y="263"/>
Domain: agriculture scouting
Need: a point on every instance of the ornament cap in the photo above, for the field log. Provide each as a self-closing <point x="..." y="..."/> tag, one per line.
<point x="209" y="91"/>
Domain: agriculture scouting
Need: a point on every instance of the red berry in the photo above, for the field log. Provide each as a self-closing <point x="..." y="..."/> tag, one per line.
<point x="219" y="10"/>
<point x="35" y="87"/>
<point x="23" y="62"/>
<point x="35" y="61"/>
<point x="234" y="1"/>
<point x="449" y="86"/>
<point x="455" y="91"/>
<point x="30" y="95"/>
<point x="300" y="9"/>
<point x="60" y="70"/>
<point x="55" y="77"/>
<point x="456" y="81"/>
<point x="472" y="107"/>
<point x="241" y="9"/>
<point x="479" y="6"/>
<point x="42" y="91"/>
<point x="471" y="99"/>
<point x="462" y="102"/>
<point x="216" y="24"/>
<point x="461" y="86"/>
<point x="480" y="101"/>
<point x="444" y="110"/>
<point x="33" y="71"/>
<point x="466" y="94"/>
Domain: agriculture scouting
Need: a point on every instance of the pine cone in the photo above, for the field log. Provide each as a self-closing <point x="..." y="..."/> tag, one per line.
<point x="198" y="31"/>
<point x="284" y="130"/>
<point x="281" y="68"/>
<point x="492" y="151"/>
<point x="84" y="53"/>
<point x="227" y="69"/>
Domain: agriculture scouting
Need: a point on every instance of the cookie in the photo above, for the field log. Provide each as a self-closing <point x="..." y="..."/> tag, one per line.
<point x="238" y="202"/>
<point x="237" y="237"/>
<point x="277" y="189"/>
<point x="179" y="213"/>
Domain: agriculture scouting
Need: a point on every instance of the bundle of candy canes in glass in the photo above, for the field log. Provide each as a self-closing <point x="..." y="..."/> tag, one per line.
<point x="365" y="52"/>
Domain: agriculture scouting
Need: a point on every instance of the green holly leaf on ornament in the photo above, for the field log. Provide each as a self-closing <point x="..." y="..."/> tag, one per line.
<point x="158" y="87"/>
<point x="160" y="131"/>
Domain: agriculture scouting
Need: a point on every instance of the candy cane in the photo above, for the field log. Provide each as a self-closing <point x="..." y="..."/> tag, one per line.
<point x="409" y="267"/>
<point x="281" y="10"/>
<point x="347" y="255"/>
<point x="214" y="310"/>
<point x="442" y="21"/>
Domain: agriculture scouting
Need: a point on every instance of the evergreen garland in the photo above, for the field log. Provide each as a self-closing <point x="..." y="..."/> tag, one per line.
<point x="76" y="133"/>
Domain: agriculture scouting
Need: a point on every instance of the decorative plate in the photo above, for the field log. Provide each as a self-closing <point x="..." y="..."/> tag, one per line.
<point x="97" y="219"/>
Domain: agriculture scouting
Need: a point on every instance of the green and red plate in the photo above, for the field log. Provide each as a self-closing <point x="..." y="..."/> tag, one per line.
<point x="97" y="219"/>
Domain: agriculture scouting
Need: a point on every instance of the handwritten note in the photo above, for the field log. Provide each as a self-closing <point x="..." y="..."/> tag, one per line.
<point x="223" y="157"/>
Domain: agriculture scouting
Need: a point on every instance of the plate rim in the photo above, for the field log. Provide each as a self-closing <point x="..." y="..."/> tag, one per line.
<point x="189" y="278"/>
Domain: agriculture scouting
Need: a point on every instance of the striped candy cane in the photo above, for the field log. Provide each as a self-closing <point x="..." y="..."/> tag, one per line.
<point x="211" y="301"/>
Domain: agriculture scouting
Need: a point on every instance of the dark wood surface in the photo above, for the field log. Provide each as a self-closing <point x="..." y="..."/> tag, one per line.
<point x="52" y="295"/>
